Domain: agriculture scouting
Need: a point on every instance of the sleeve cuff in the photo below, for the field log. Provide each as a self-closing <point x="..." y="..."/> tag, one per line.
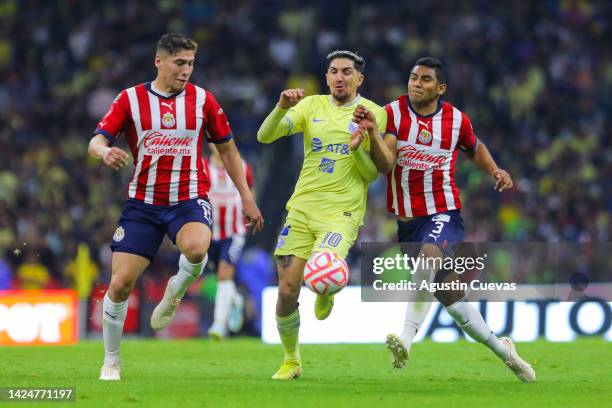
<point x="106" y="134"/>
<point x="224" y="139"/>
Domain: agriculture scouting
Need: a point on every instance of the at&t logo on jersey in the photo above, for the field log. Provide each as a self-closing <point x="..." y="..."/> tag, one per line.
<point x="316" y="144"/>
<point x="327" y="165"/>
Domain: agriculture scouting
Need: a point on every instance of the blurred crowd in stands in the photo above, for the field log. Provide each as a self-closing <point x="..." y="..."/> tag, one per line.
<point x="535" y="78"/>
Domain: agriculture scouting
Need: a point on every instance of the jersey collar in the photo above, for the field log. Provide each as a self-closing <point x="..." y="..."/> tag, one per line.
<point x="149" y="86"/>
<point x="346" y="105"/>
<point x="424" y="116"/>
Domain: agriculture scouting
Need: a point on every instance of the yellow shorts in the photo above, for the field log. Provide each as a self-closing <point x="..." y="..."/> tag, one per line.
<point x="302" y="235"/>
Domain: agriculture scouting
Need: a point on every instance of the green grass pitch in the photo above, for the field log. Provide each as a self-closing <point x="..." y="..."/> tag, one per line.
<point x="236" y="373"/>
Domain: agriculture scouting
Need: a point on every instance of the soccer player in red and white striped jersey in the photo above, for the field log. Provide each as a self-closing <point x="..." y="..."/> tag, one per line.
<point x="227" y="243"/>
<point x="164" y="123"/>
<point x="419" y="155"/>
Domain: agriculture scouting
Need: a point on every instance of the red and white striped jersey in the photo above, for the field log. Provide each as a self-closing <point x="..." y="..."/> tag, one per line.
<point x="226" y="201"/>
<point x="423" y="179"/>
<point x="165" y="136"/>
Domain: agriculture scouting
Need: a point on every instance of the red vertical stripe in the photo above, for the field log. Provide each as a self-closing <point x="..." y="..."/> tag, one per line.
<point x="437" y="181"/>
<point x="390" y="192"/>
<point x="447" y="126"/>
<point x="452" y="180"/>
<point x="235" y="216"/>
<point x="222" y="215"/>
<point x="161" y="194"/>
<point x="399" y="191"/>
<point x="416" y="184"/>
<point x="404" y="127"/>
<point x="144" y="107"/>
<point x="163" y="109"/>
<point x="184" y="177"/>
<point x="190" y="107"/>
<point x="131" y="137"/>
<point x="143" y="177"/>
<point x="390" y="120"/>
<point x="203" y="179"/>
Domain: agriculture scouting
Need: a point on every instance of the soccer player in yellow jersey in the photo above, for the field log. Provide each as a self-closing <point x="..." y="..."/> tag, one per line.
<point x="329" y="201"/>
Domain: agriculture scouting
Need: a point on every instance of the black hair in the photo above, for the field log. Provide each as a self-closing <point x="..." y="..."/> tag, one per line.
<point x="175" y="42"/>
<point x="437" y="65"/>
<point x="357" y="60"/>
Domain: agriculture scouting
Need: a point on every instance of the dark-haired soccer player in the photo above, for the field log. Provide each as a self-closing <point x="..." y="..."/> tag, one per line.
<point x="328" y="204"/>
<point x="164" y="123"/>
<point x="422" y="137"/>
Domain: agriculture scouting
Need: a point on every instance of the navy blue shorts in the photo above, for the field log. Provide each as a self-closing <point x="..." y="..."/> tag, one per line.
<point x="142" y="227"/>
<point x="228" y="250"/>
<point x="444" y="229"/>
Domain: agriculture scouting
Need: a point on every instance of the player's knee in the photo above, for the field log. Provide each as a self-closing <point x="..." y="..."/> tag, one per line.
<point x="288" y="291"/>
<point x="195" y="250"/>
<point x="120" y="288"/>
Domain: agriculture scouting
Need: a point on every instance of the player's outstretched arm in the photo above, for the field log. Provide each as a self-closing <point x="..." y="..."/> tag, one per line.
<point x="383" y="150"/>
<point x="111" y="156"/>
<point x="233" y="165"/>
<point x="273" y="127"/>
<point x="482" y="158"/>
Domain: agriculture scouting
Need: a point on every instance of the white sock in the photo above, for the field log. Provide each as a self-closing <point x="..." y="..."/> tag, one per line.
<point x="226" y="290"/>
<point x="471" y="321"/>
<point x="186" y="275"/>
<point x="417" y="308"/>
<point x="416" y="312"/>
<point x="113" y="317"/>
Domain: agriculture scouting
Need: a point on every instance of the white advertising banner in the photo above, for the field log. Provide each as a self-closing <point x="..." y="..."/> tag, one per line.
<point x="355" y="321"/>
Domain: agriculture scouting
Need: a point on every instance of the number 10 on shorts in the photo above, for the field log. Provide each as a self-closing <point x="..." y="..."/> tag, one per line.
<point x="331" y="239"/>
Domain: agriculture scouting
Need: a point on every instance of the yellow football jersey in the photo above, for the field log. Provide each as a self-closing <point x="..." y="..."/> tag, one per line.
<point x="329" y="184"/>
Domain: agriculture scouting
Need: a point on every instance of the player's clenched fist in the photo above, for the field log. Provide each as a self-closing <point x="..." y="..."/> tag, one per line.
<point x="290" y="97"/>
<point x="115" y="158"/>
<point x="503" y="181"/>
<point x="364" y="118"/>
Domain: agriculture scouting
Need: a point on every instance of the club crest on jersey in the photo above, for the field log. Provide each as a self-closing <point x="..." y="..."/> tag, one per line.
<point x="119" y="234"/>
<point x="168" y="120"/>
<point x="352" y="126"/>
<point x="425" y="137"/>
<point x="327" y="165"/>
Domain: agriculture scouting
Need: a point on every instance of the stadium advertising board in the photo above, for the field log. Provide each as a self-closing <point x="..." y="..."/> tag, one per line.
<point x="355" y="321"/>
<point x="38" y="317"/>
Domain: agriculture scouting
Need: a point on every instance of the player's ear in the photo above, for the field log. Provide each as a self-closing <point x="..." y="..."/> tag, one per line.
<point x="360" y="80"/>
<point x="158" y="60"/>
<point x="327" y="79"/>
<point x="441" y="89"/>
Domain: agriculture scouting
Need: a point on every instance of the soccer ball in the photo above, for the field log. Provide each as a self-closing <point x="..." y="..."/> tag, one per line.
<point x="326" y="273"/>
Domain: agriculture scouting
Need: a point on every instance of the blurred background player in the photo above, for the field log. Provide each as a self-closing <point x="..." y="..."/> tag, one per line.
<point x="228" y="237"/>
<point x="328" y="204"/>
<point x="164" y="123"/>
<point x="423" y="135"/>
